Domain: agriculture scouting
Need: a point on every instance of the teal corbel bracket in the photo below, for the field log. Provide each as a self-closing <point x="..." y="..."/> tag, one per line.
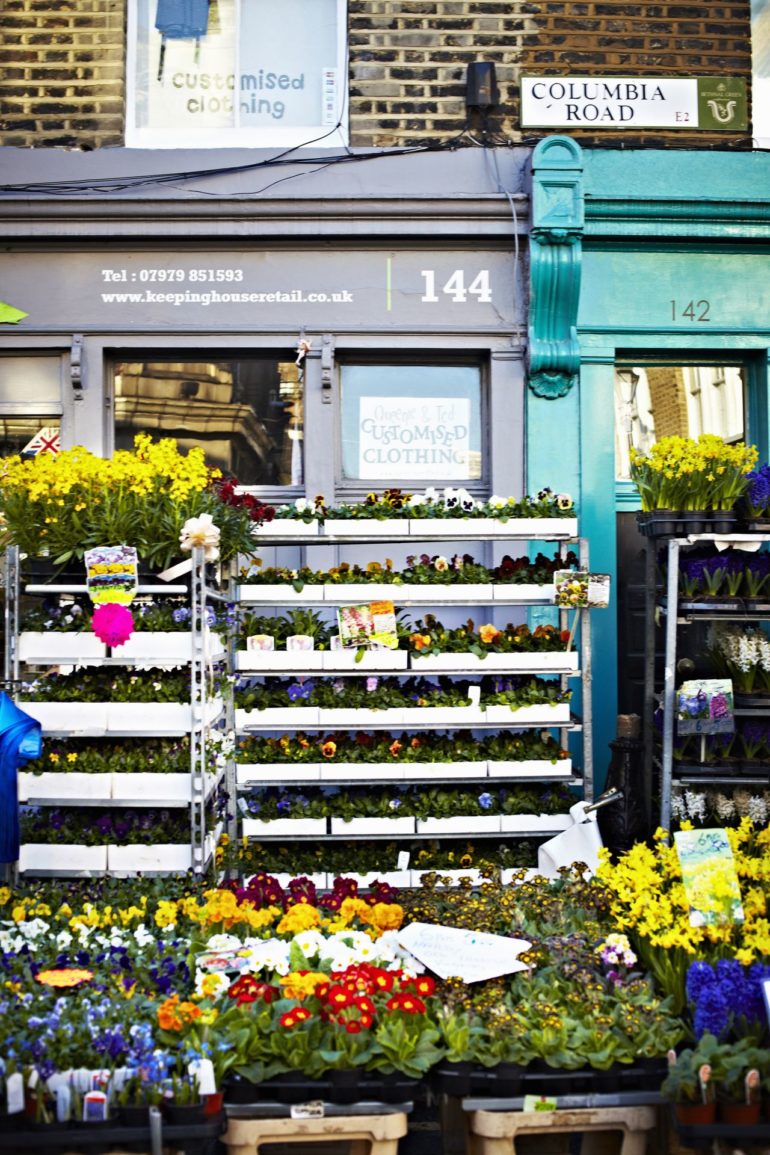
<point x="555" y="266"/>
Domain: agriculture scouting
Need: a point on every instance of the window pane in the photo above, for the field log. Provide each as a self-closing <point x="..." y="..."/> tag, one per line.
<point x="16" y="432"/>
<point x="411" y="422"/>
<point x="246" y="414"/>
<point x="686" y="400"/>
<point x="31" y="380"/>
<point x="203" y="66"/>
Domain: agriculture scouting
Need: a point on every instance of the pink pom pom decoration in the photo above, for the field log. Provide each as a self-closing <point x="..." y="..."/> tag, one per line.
<point x="113" y="624"/>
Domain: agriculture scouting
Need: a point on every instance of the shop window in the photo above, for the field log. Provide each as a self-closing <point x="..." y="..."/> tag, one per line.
<point x="412" y="423"/>
<point x="30" y="401"/>
<point x="247" y="414"/>
<point x="655" y="401"/>
<point x="246" y="73"/>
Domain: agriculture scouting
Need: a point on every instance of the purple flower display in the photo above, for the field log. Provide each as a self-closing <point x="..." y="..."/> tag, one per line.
<point x="727" y="997"/>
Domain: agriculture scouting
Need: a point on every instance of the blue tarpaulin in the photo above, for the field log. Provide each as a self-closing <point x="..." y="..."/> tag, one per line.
<point x="20" y="741"/>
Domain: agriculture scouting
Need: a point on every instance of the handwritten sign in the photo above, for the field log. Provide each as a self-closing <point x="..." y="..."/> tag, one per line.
<point x="709" y="877"/>
<point x="111" y="574"/>
<point x="473" y="956"/>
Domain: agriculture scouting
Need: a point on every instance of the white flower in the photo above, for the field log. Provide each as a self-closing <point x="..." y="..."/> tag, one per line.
<point x="216" y="984"/>
<point x="496" y="502"/>
<point x="223" y="942"/>
<point x="310" y="942"/>
<point x="758" y="810"/>
<point x="35" y="928"/>
<point x="270" y="954"/>
<point x="416" y="499"/>
<point x="725" y="807"/>
<point x="201" y="531"/>
<point x="302" y="504"/>
<point x="696" y="805"/>
<point x="143" y="936"/>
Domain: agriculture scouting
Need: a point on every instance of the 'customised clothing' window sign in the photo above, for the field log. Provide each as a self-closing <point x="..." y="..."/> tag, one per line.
<point x="233" y="66"/>
<point x="399" y="436"/>
<point x="411" y="422"/>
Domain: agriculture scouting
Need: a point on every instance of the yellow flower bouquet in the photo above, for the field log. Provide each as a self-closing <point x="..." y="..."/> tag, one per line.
<point x="59" y="506"/>
<point x="681" y="473"/>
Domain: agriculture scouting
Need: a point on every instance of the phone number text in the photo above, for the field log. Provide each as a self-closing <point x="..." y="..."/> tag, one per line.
<point x="148" y="276"/>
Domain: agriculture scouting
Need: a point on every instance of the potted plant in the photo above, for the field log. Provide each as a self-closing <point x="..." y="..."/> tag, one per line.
<point x="685" y="476"/>
<point x="688" y="1083"/>
<point x="60" y="506"/>
<point x="738" y="1083"/>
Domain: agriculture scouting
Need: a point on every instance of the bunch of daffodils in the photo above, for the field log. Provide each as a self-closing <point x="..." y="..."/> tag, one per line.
<point x="60" y="506"/>
<point x="682" y="473"/>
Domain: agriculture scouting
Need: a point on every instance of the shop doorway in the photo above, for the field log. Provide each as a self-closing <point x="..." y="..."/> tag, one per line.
<point x="655" y="400"/>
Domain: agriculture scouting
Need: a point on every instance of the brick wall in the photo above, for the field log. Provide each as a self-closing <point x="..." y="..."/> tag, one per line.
<point x="669" y="401"/>
<point x="62" y="72"/>
<point x="62" y="76"/>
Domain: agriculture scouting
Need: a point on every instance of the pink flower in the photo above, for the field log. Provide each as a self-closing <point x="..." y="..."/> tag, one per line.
<point x="113" y="624"/>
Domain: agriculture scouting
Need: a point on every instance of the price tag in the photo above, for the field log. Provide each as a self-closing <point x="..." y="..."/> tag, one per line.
<point x="474" y="695"/>
<point x="63" y="1104"/>
<point x="14" y="1086"/>
<point x="403" y="860"/>
<point x="314" y="1110"/>
<point x="539" y="1103"/>
<point x="94" y="1107"/>
<point x="203" y="1071"/>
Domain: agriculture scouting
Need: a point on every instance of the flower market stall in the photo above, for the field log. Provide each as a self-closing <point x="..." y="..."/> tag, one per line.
<point x="306" y="811"/>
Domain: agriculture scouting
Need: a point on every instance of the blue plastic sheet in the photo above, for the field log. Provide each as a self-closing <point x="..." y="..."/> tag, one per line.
<point x="20" y="742"/>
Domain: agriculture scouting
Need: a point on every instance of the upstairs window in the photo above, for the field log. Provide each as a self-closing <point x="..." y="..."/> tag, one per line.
<point x="242" y="73"/>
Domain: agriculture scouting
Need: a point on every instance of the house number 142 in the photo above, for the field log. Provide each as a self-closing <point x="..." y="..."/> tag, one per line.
<point x="693" y="310"/>
<point x="455" y="286"/>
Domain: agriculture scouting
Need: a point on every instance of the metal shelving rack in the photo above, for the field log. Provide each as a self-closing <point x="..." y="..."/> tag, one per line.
<point x="575" y="725"/>
<point x="202" y="783"/>
<point x="678" y="613"/>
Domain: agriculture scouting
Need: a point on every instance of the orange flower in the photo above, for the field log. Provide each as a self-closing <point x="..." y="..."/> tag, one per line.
<point x="420" y="641"/>
<point x="329" y="749"/>
<point x="488" y="634"/>
<point x="64" y="977"/>
<point x="395" y="748"/>
<point x="168" y="1019"/>
<point x="174" y="1016"/>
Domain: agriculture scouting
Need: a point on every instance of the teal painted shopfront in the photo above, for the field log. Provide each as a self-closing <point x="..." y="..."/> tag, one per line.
<point x="649" y="315"/>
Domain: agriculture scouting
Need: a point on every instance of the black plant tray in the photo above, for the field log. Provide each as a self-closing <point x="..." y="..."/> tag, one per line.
<point x="706" y="770"/>
<point x="675" y="523"/>
<point x="198" y="1138"/>
<point x="734" y="1136"/>
<point x="336" y="1087"/>
<point x="752" y="701"/>
<point x="511" y="1081"/>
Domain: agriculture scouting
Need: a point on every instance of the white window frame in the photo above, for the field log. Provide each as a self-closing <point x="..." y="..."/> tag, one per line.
<point x="286" y="136"/>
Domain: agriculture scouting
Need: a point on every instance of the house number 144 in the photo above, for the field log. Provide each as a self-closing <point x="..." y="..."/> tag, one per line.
<point x="455" y="287"/>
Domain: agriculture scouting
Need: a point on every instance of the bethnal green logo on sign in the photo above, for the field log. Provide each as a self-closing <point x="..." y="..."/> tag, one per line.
<point x="722" y="104"/>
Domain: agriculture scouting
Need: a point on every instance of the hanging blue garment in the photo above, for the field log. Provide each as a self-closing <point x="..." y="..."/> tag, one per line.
<point x="182" y="19"/>
<point x="20" y="741"/>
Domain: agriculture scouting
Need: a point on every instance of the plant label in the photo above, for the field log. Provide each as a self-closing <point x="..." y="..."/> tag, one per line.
<point x="314" y="1110"/>
<point x="578" y="590"/>
<point x="705" y="706"/>
<point x="112" y="574"/>
<point x="709" y="877"/>
<point x="365" y="625"/>
<point x="14" y="1086"/>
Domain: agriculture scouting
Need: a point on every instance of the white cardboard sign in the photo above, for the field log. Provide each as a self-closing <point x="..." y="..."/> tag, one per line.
<point x="451" y="952"/>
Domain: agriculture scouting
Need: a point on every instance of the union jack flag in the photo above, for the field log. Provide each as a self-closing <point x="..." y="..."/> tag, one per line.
<point x="46" y="441"/>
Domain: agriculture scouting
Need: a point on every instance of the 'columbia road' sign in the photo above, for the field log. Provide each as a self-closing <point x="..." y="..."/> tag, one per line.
<point x="713" y="103"/>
